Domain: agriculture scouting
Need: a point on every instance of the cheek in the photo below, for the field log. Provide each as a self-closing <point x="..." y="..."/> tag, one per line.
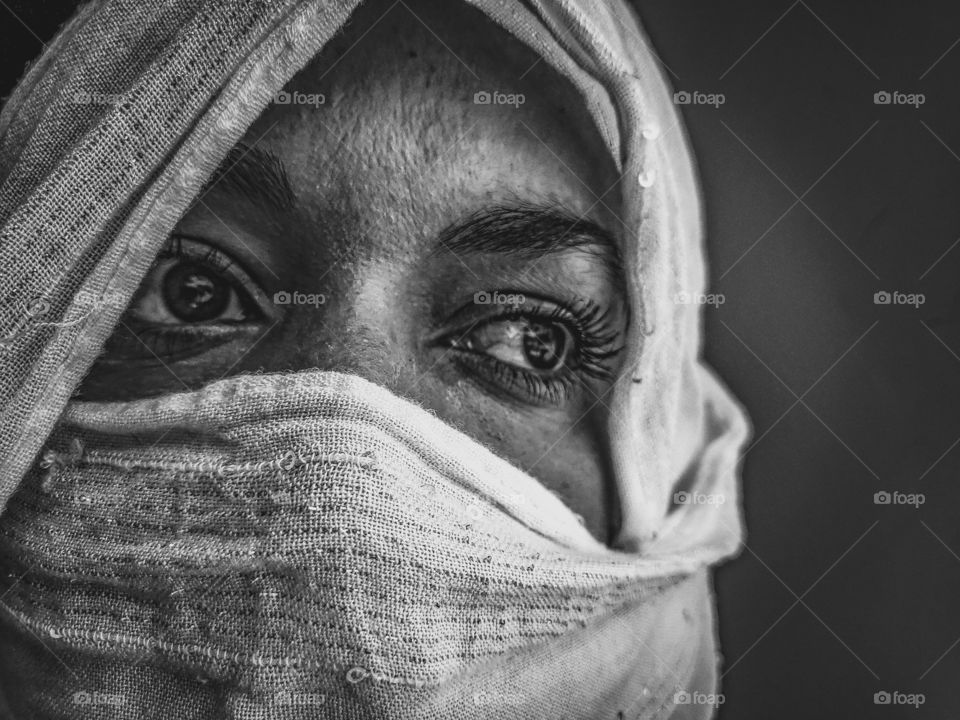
<point x="567" y="457"/>
<point x="368" y="325"/>
<point x="576" y="470"/>
<point x="332" y="338"/>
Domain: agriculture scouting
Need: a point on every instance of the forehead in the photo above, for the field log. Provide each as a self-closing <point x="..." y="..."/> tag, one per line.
<point x="402" y="137"/>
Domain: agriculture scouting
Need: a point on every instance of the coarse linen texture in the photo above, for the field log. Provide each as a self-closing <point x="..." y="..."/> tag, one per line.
<point x="181" y="587"/>
<point x="310" y="545"/>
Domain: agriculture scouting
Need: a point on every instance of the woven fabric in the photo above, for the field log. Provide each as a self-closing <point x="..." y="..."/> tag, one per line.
<point x="177" y="585"/>
<point x="309" y="545"/>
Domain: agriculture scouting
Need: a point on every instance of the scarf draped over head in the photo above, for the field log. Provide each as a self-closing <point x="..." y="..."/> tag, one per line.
<point x="91" y="190"/>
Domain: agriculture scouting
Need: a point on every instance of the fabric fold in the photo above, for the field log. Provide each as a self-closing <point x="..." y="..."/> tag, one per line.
<point x="106" y="143"/>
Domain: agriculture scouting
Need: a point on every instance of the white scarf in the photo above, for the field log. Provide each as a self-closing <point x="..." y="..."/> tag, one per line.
<point x="90" y="193"/>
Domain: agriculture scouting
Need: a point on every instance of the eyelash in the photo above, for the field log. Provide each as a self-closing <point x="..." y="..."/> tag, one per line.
<point x="165" y="340"/>
<point x="589" y="324"/>
<point x="593" y="335"/>
<point x="218" y="261"/>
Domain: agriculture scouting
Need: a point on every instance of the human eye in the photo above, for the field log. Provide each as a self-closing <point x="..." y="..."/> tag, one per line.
<point x="539" y="351"/>
<point x="194" y="297"/>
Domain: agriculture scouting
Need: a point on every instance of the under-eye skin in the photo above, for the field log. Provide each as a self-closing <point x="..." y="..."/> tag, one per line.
<point x="194" y="298"/>
<point x="539" y="351"/>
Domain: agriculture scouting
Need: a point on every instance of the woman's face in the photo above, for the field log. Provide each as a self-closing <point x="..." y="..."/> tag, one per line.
<point x="405" y="233"/>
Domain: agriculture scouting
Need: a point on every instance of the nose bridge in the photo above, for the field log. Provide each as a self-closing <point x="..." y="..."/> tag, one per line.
<point x="358" y="325"/>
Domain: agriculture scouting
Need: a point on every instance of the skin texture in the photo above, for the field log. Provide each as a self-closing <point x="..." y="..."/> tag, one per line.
<point x="396" y="154"/>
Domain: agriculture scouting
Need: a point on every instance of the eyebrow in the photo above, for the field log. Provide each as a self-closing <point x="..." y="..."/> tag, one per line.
<point x="255" y="175"/>
<point x="529" y="231"/>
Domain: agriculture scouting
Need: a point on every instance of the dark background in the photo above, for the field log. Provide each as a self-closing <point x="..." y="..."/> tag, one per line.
<point x="817" y="198"/>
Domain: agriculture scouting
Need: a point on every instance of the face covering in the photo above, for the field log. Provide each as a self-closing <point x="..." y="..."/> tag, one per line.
<point x="308" y="545"/>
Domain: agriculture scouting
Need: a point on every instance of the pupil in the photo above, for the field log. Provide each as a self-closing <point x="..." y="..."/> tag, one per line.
<point x="544" y="346"/>
<point x="193" y="293"/>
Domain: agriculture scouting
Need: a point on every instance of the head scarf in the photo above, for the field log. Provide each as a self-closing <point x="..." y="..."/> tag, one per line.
<point x="89" y="193"/>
